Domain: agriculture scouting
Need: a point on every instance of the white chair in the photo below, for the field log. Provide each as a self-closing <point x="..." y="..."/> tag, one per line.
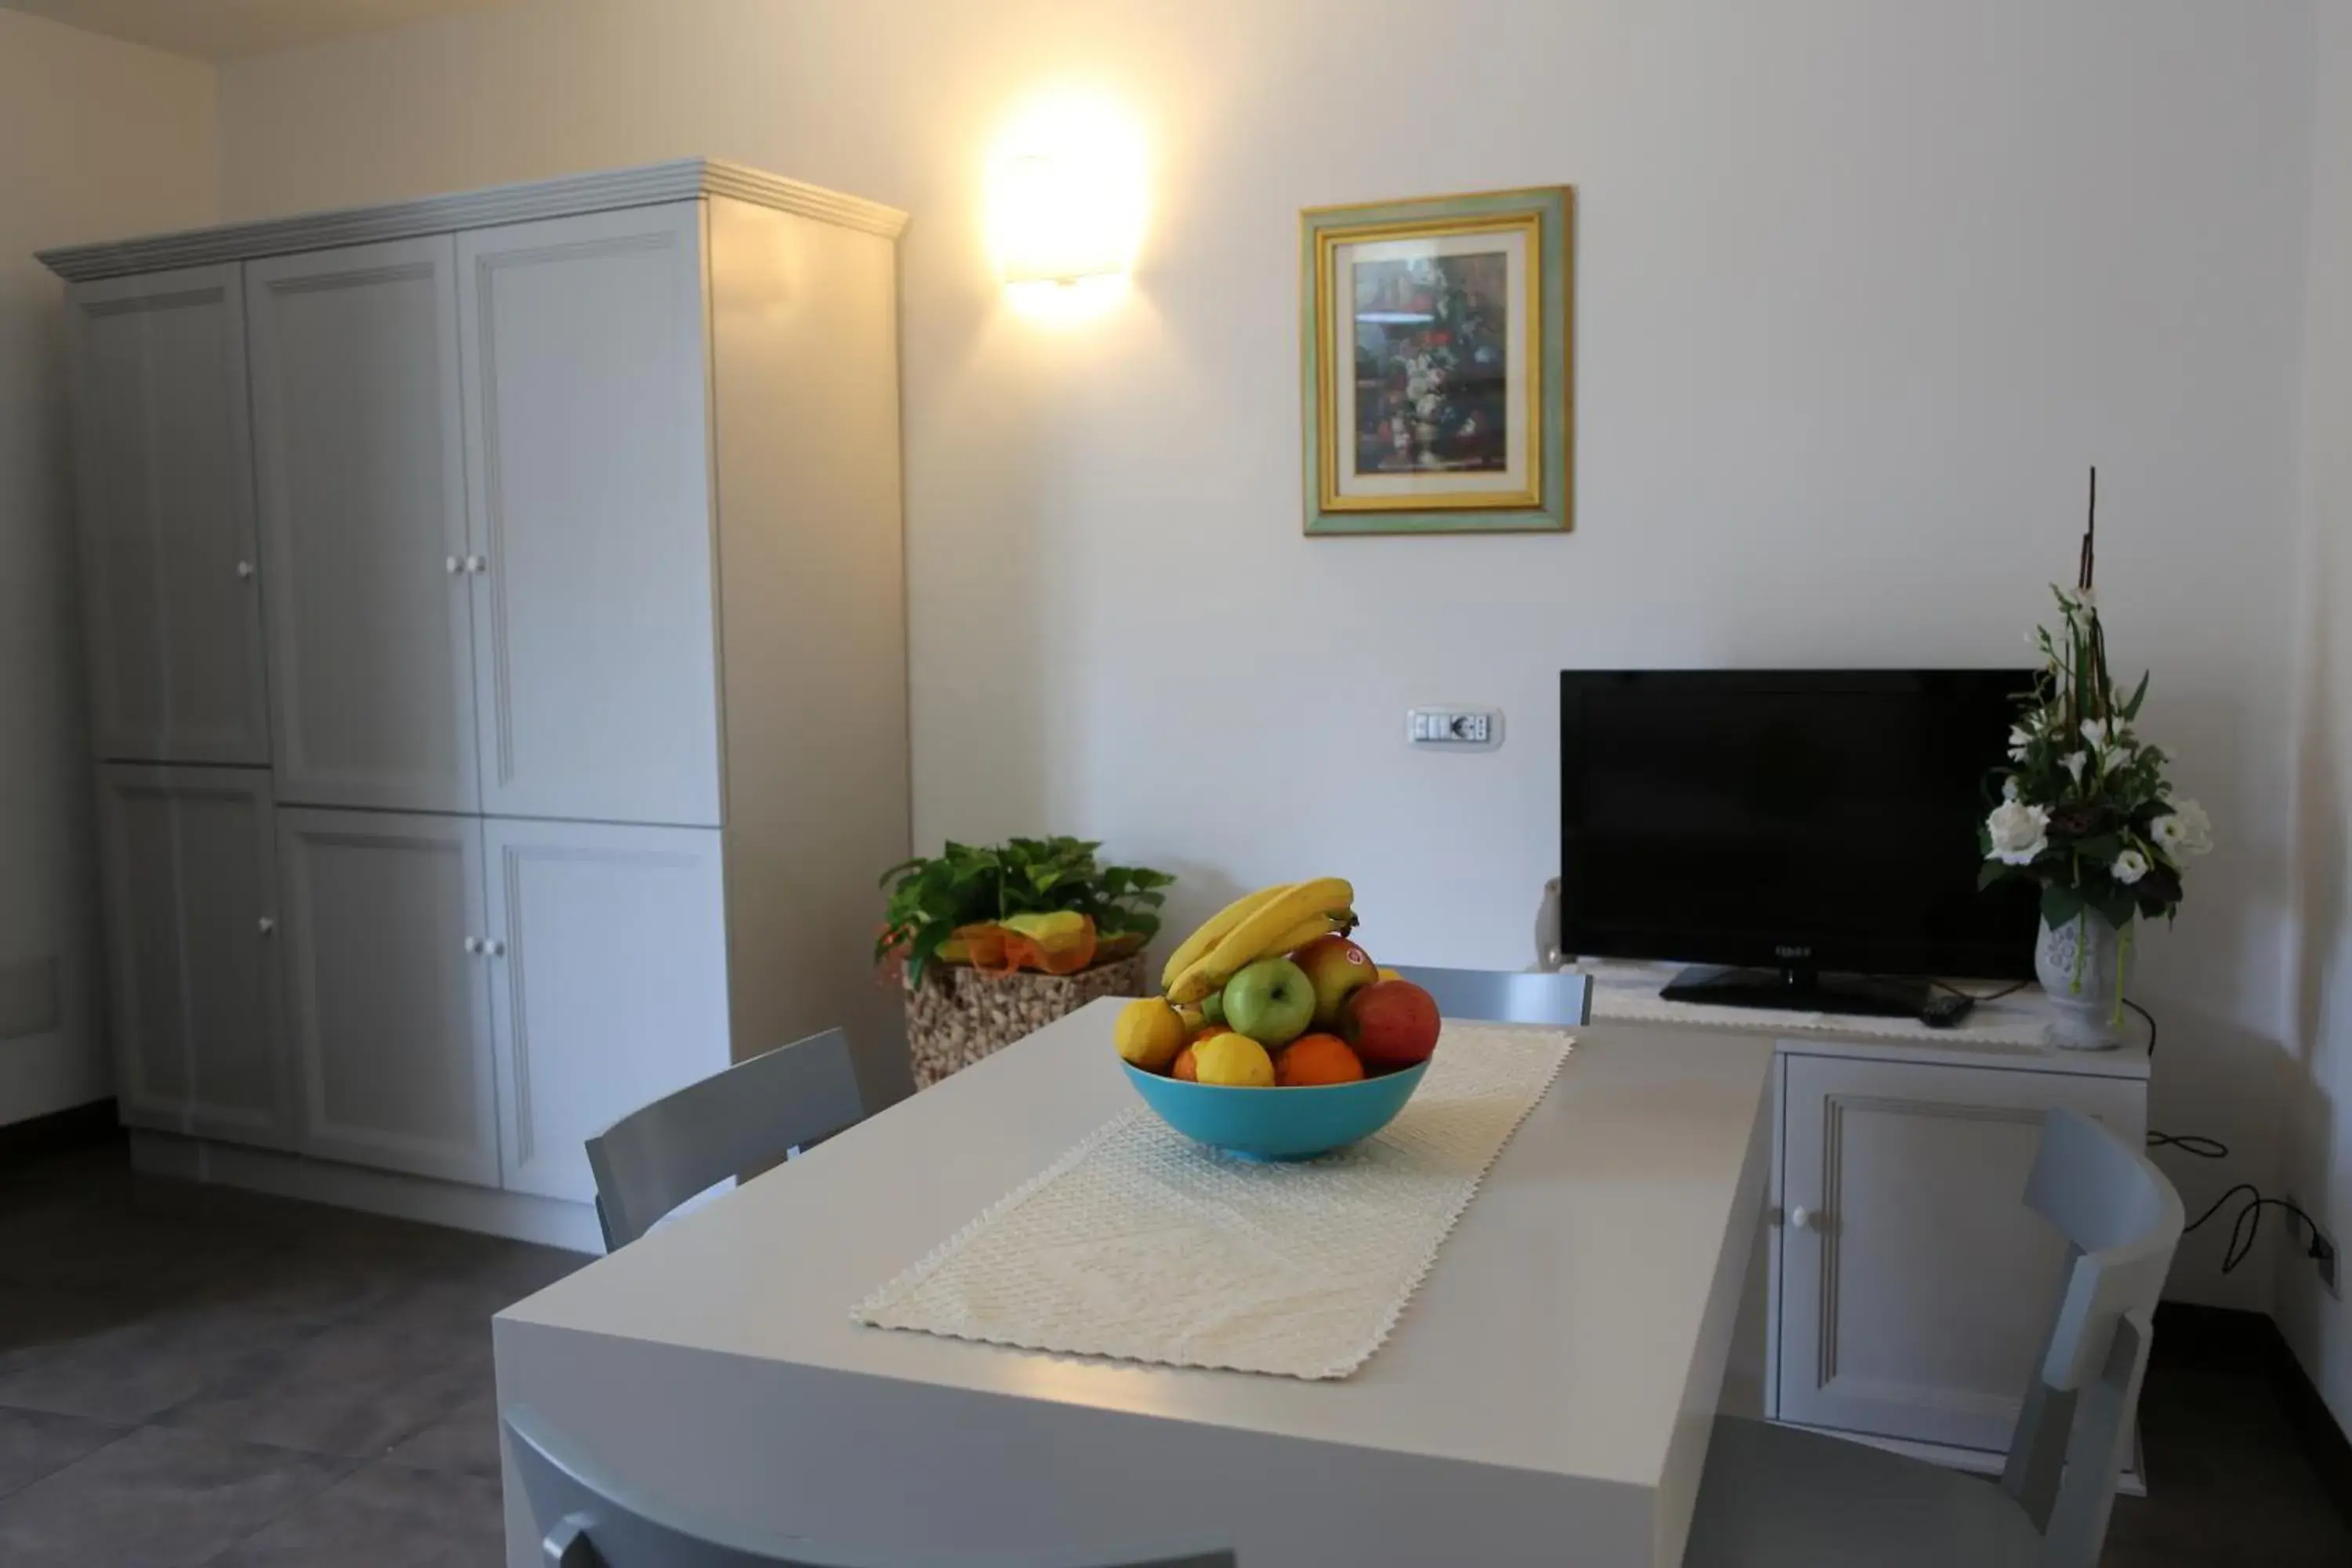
<point x="586" y="1520"/>
<point x="741" y="1120"/>
<point x="1503" y="996"/>
<point x="1778" y="1496"/>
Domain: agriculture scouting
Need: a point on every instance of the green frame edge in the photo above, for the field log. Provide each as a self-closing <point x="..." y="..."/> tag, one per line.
<point x="1556" y="208"/>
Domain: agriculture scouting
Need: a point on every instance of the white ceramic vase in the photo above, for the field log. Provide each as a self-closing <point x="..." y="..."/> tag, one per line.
<point x="2085" y="965"/>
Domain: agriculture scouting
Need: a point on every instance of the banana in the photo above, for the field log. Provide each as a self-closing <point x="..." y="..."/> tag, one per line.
<point x="1213" y="929"/>
<point x="1307" y="930"/>
<point x="1294" y="912"/>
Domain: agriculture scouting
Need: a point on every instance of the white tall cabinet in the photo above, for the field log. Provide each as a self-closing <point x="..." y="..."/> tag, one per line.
<point x="497" y="626"/>
<point x="164" y="470"/>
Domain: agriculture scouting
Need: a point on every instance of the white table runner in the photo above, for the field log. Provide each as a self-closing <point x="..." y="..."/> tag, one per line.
<point x="1141" y="1244"/>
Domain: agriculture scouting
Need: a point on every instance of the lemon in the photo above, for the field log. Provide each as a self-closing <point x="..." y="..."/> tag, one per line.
<point x="1150" y="1032"/>
<point x="1235" y="1061"/>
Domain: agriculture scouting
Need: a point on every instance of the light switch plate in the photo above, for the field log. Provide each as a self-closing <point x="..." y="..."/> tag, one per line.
<point x="1454" y="729"/>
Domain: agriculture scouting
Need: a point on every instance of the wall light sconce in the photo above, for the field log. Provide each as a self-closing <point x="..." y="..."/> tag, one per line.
<point x="1065" y="204"/>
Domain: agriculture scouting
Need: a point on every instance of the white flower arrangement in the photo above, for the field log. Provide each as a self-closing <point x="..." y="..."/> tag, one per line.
<point x="2086" y="810"/>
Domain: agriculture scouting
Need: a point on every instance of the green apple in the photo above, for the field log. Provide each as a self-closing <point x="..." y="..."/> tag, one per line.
<point x="1212" y="1009"/>
<point x="1271" y="1001"/>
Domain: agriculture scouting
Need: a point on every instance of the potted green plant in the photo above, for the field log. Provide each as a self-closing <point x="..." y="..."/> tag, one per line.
<point x="994" y="941"/>
<point x="2087" y="812"/>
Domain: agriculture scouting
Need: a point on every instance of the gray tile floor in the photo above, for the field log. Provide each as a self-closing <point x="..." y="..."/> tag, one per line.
<point x="194" y="1375"/>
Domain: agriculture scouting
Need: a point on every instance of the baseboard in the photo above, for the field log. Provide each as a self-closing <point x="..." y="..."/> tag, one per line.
<point x="2225" y="1339"/>
<point x="521" y="1216"/>
<point x="75" y="1127"/>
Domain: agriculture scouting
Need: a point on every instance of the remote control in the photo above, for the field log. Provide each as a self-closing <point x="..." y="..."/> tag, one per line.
<point x="1943" y="1010"/>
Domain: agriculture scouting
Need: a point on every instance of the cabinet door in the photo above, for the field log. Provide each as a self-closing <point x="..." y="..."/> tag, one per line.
<point x="588" y="462"/>
<point x="1916" y="1293"/>
<point x="359" y="457"/>
<point x="609" y="976"/>
<point x="164" y="471"/>
<point x="191" y="899"/>
<point x="390" y="990"/>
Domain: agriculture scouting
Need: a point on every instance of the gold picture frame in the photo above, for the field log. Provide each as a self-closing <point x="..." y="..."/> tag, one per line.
<point x="1493" y="270"/>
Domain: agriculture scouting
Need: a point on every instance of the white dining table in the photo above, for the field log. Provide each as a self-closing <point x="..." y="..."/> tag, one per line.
<point x="1546" y="1397"/>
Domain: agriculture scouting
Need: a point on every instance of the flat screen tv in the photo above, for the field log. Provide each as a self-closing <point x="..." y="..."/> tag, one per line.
<point x="1807" y="837"/>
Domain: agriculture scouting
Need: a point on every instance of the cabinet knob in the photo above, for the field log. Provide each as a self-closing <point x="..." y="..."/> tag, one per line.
<point x="452" y="565"/>
<point x="473" y="944"/>
<point x="267" y="926"/>
<point x="1804" y="1218"/>
<point x="478" y="564"/>
<point x="243" y="571"/>
<point x="495" y="948"/>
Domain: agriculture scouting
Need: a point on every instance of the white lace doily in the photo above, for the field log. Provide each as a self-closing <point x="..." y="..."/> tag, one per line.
<point x="1143" y="1245"/>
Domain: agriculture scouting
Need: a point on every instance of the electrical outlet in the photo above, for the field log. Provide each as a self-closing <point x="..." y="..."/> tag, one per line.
<point x="1454" y="729"/>
<point x="2316" y="1245"/>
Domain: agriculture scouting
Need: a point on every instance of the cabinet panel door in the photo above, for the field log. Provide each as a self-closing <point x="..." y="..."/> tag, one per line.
<point x="190" y="903"/>
<point x="1914" y="1301"/>
<point x="609" y="975"/>
<point x="360" y="456"/>
<point x="164" y="474"/>
<point x="588" y="459"/>
<point x="389" y="999"/>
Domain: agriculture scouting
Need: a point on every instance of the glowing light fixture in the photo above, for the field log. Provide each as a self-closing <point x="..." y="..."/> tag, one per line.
<point x="1066" y="193"/>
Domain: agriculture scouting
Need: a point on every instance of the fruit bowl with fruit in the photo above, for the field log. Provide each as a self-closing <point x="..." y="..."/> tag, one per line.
<point x="1275" y="1036"/>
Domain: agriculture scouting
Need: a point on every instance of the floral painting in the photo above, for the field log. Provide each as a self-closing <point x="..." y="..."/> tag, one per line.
<point x="1432" y="352"/>
<point x="1436" y="337"/>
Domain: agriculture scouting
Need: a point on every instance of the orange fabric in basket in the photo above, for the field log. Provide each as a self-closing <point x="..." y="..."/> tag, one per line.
<point x="1055" y="944"/>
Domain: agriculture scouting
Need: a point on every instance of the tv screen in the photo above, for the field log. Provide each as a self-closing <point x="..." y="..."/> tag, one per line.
<point x="1805" y="820"/>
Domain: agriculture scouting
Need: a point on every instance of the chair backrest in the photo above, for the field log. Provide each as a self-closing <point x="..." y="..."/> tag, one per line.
<point x="2121" y="1219"/>
<point x="586" y="1520"/>
<point x="1504" y="996"/>
<point x="732" y="1123"/>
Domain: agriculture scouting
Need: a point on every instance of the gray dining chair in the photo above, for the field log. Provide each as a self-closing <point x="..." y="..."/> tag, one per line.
<point x="1779" y="1496"/>
<point x="735" y="1121"/>
<point x="1506" y="996"/>
<point x="587" y="1520"/>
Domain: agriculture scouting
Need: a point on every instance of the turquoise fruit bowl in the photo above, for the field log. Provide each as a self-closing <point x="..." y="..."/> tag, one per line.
<point x="1278" y="1123"/>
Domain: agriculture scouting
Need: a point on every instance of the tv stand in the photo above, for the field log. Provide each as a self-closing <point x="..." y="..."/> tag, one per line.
<point x="1800" y="990"/>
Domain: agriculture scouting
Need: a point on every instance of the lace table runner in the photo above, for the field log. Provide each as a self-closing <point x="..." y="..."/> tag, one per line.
<point x="1143" y="1245"/>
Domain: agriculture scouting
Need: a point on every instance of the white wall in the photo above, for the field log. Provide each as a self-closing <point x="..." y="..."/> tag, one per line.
<point x="96" y="138"/>
<point x="2317" y="1110"/>
<point x="1863" y="288"/>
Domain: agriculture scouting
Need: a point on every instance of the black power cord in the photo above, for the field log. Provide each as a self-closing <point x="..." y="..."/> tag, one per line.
<point x="2195" y="1143"/>
<point x="2247" y="1223"/>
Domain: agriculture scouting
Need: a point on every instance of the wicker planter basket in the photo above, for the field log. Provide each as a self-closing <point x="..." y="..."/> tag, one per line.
<point x="959" y="1015"/>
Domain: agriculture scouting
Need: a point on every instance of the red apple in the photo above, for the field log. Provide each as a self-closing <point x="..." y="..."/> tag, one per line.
<point x="1338" y="969"/>
<point x="1392" y="1024"/>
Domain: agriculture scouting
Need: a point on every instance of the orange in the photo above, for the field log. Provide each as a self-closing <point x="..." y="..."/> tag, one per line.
<point x="1184" y="1066"/>
<point x="1313" y="1059"/>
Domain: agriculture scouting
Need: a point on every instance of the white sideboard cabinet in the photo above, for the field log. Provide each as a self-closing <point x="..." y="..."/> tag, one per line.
<point x="1914" y="1287"/>
<point x="529" y="562"/>
<point x="1900" y="1290"/>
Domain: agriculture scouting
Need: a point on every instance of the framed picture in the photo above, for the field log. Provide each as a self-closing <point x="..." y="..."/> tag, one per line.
<point x="1435" y="339"/>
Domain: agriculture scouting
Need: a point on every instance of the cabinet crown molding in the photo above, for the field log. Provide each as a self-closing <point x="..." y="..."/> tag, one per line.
<point x="683" y="179"/>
